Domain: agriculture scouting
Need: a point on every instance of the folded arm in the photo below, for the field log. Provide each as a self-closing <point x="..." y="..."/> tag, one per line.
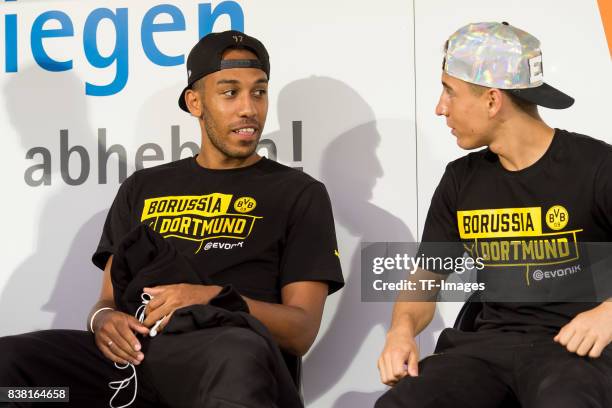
<point x="294" y="323"/>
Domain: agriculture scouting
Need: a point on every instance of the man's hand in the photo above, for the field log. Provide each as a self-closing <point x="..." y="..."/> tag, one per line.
<point x="589" y="332"/>
<point x="399" y="358"/>
<point x="114" y="335"/>
<point x="168" y="298"/>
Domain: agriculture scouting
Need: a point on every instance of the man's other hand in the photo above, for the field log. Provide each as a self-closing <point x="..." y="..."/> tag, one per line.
<point x="114" y="335"/>
<point x="168" y="298"/>
<point x="399" y="358"/>
<point x="589" y="332"/>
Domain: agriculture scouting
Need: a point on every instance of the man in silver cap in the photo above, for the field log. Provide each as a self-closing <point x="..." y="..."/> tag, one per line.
<point x="539" y="335"/>
<point x="246" y="226"/>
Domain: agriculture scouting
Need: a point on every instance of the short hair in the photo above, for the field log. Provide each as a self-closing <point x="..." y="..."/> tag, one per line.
<point x="198" y="86"/>
<point x="525" y="106"/>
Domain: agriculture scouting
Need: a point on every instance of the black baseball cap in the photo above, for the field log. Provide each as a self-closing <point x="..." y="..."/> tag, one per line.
<point x="206" y="57"/>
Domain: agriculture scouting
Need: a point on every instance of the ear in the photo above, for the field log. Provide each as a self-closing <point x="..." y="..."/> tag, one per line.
<point x="193" y="102"/>
<point x="494" y="101"/>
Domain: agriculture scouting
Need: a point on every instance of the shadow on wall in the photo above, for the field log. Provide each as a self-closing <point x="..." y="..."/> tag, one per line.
<point x="340" y="129"/>
<point x="168" y="133"/>
<point x="42" y="103"/>
<point x="350" y="169"/>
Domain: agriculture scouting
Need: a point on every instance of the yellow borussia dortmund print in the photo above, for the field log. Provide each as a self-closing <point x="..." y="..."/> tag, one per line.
<point x="200" y="218"/>
<point x="504" y="237"/>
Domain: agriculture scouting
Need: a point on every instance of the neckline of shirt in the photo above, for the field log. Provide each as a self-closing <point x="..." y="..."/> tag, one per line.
<point x="205" y="170"/>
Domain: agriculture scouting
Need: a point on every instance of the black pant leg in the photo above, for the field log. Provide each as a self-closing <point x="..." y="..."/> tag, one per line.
<point x="221" y="367"/>
<point x="448" y="380"/>
<point x="67" y="358"/>
<point x="548" y="376"/>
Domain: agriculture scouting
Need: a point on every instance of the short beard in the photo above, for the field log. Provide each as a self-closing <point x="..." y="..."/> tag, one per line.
<point x="217" y="142"/>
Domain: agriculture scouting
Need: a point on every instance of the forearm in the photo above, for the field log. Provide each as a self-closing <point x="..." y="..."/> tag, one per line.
<point x="292" y="328"/>
<point x="412" y="317"/>
<point x="106" y="293"/>
<point x="414" y="310"/>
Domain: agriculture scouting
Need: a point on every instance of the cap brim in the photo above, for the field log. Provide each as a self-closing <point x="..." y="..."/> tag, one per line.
<point x="181" y="101"/>
<point x="544" y="95"/>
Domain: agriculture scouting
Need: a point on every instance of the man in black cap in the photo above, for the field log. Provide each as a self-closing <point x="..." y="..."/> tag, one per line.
<point x="523" y="205"/>
<point x="241" y="221"/>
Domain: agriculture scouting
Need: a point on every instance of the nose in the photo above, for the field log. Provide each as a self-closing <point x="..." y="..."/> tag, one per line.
<point x="247" y="106"/>
<point x="441" y="108"/>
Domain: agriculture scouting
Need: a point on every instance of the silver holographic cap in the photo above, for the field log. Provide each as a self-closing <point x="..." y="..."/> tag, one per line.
<point x="498" y="55"/>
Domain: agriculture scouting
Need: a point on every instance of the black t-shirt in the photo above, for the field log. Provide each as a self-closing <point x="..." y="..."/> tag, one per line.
<point x="528" y="226"/>
<point x="258" y="228"/>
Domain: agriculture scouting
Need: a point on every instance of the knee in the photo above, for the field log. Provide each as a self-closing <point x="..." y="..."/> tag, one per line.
<point x="243" y="357"/>
<point x="402" y="395"/>
<point x="562" y="401"/>
<point x="14" y="351"/>
<point x="11" y="347"/>
<point x="240" y="346"/>
<point x="561" y="396"/>
<point x="386" y="401"/>
<point x="25" y="349"/>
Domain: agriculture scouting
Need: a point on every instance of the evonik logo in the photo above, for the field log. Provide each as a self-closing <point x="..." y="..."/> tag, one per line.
<point x="222" y="245"/>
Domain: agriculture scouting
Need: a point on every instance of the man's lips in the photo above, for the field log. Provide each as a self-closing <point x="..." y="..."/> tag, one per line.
<point x="246" y="132"/>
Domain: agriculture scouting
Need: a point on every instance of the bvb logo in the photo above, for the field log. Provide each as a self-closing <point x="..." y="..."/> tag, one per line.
<point x="557" y="217"/>
<point x="244" y="204"/>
